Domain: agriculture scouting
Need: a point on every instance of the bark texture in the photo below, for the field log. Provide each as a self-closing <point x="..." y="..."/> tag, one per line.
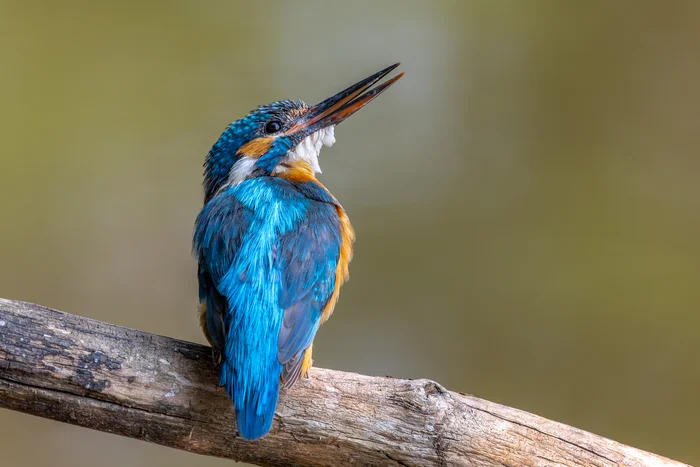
<point x="118" y="380"/>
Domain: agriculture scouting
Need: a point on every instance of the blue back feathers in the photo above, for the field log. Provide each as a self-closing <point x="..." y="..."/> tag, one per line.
<point x="268" y="250"/>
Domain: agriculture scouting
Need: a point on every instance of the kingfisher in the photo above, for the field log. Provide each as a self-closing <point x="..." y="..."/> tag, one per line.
<point x="273" y="247"/>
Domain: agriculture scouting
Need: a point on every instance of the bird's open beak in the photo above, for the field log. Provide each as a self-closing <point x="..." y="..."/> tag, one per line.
<point x="335" y="109"/>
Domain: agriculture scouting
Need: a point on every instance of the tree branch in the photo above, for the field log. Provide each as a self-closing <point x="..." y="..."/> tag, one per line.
<point x="109" y="378"/>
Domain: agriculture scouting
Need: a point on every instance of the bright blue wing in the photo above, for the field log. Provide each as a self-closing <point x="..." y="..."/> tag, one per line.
<point x="307" y="258"/>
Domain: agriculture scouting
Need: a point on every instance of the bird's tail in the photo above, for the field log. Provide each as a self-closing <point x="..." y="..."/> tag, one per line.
<point x="250" y="372"/>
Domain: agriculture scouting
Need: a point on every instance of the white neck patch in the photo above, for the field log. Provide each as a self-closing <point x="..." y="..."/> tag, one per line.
<point x="309" y="149"/>
<point x="240" y="171"/>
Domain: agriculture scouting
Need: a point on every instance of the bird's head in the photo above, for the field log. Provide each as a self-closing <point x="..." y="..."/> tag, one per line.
<point x="284" y="135"/>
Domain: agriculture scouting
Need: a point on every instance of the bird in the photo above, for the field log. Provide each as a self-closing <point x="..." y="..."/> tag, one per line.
<point x="273" y="247"/>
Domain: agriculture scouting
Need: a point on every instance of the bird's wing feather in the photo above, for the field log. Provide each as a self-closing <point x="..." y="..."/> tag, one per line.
<point x="307" y="258"/>
<point x="218" y="236"/>
<point x="291" y="370"/>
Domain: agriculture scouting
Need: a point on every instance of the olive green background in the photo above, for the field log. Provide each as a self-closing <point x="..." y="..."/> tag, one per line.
<point x="526" y="199"/>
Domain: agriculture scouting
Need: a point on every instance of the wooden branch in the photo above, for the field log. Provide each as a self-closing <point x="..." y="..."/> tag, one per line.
<point x="109" y="378"/>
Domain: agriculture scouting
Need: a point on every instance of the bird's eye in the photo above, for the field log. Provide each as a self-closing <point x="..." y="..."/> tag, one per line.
<point x="273" y="126"/>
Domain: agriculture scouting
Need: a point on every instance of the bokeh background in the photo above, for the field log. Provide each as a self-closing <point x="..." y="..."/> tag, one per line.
<point x="526" y="199"/>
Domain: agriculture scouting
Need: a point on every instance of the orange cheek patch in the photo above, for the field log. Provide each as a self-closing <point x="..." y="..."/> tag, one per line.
<point x="256" y="147"/>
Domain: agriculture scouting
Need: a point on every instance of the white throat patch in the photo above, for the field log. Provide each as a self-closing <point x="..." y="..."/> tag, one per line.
<point x="309" y="149"/>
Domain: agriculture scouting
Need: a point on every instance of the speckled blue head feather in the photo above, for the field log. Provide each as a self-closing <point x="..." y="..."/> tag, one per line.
<point x="224" y="154"/>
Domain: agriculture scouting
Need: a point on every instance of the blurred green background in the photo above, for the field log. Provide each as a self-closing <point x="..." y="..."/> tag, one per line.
<point x="526" y="199"/>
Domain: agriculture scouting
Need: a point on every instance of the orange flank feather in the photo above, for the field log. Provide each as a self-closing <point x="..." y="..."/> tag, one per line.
<point x="342" y="272"/>
<point x="307" y="363"/>
<point x="256" y="147"/>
